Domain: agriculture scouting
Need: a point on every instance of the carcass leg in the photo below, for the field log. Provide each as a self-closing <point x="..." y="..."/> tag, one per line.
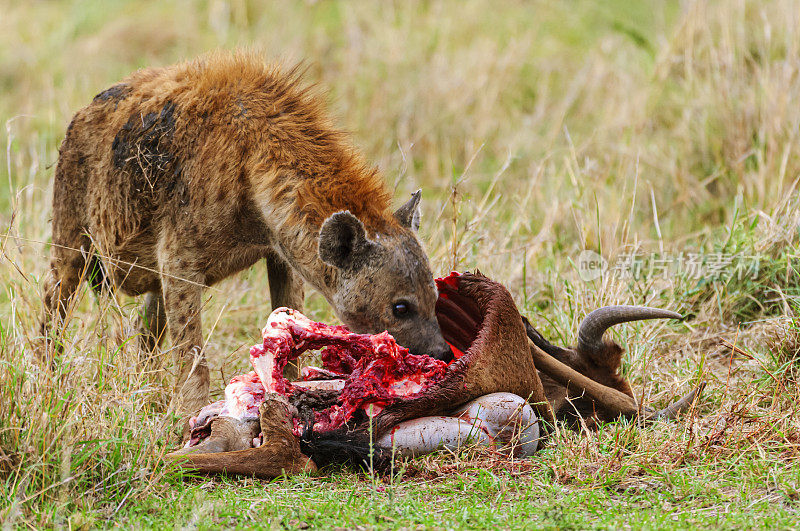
<point x="502" y="420"/>
<point x="426" y="434"/>
<point x="228" y="434"/>
<point x="508" y="418"/>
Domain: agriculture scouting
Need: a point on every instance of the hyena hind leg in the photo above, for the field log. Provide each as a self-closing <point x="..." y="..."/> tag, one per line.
<point x="285" y="289"/>
<point x="152" y="327"/>
<point x="68" y="261"/>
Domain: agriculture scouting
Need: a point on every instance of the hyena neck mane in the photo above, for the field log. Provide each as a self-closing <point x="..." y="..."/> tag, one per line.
<point x="298" y="199"/>
<point x="302" y="170"/>
<point x="299" y="211"/>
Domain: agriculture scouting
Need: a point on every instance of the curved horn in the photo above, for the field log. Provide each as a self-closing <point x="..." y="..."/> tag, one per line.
<point x="594" y="325"/>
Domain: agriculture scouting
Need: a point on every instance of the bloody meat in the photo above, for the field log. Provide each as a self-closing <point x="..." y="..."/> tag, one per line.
<point x="377" y="371"/>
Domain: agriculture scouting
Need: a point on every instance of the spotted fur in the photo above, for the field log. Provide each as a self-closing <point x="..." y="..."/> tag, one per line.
<point x="179" y="177"/>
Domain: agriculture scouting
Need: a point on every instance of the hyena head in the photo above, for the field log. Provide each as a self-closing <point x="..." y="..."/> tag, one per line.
<point x="385" y="283"/>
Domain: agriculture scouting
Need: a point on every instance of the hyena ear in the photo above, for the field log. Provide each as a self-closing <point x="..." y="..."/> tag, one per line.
<point x="343" y="241"/>
<point x="408" y="214"/>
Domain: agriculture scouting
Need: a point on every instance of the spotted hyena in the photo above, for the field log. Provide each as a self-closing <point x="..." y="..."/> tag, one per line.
<point x="179" y="177"/>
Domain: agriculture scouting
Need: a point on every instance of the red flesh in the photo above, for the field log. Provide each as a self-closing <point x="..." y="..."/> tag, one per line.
<point x="379" y="376"/>
<point x="380" y="370"/>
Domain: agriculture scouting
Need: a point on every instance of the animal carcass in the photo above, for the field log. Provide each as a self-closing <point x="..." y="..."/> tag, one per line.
<point x="372" y="397"/>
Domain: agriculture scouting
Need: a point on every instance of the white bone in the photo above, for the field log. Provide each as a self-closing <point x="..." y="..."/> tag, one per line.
<point x="321" y="385"/>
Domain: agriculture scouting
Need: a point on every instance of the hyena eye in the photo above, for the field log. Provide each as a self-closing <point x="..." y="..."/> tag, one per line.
<point x="401" y="309"/>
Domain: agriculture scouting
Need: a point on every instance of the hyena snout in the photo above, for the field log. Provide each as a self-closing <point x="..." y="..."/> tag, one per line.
<point x="426" y="339"/>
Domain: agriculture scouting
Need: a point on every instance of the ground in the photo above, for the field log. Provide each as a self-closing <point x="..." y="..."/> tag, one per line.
<point x="661" y="137"/>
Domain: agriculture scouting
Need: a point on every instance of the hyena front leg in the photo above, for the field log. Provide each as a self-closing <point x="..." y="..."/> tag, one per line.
<point x="152" y="326"/>
<point x="285" y="289"/>
<point x="182" y="301"/>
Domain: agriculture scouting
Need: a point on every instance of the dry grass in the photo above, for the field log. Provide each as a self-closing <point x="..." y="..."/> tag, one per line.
<point x="536" y="130"/>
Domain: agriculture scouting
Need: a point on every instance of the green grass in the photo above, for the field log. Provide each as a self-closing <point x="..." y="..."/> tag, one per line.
<point x="536" y="130"/>
<point x="474" y="498"/>
<point x="478" y="494"/>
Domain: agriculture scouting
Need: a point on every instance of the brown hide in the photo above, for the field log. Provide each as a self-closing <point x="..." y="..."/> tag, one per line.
<point x="278" y="455"/>
<point x="570" y="402"/>
<point x="479" y="317"/>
